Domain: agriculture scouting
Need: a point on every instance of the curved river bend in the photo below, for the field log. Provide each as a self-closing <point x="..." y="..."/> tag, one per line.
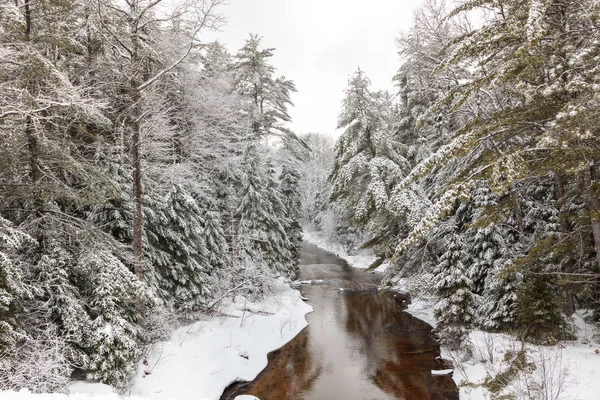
<point x="359" y="344"/>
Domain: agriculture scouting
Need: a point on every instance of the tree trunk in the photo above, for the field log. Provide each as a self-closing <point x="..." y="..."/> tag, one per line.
<point x="34" y="151"/>
<point x="138" y="191"/>
<point x="517" y="207"/>
<point x="27" y="19"/>
<point x="565" y="233"/>
<point x="594" y="211"/>
<point x="233" y="272"/>
<point x="135" y="115"/>
<point x="32" y="143"/>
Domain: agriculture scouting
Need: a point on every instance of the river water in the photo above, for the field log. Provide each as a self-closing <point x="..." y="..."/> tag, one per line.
<point x="359" y="344"/>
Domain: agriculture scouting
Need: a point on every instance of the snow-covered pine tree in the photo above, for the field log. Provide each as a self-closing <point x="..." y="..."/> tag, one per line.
<point x="175" y="244"/>
<point x="353" y="185"/>
<point x="268" y="97"/>
<point x="368" y="164"/>
<point x="360" y="178"/>
<point x="484" y="239"/>
<point x="423" y="49"/>
<point x="497" y="306"/>
<point x="539" y="310"/>
<point x="216" y="60"/>
<point x="261" y="233"/>
<point x="289" y="185"/>
<point x="218" y="251"/>
<point x="281" y="258"/>
<point x="454" y="310"/>
<point x="63" y="296"/>
<point x="113" y="346"/>
<point x="12" y="290"/>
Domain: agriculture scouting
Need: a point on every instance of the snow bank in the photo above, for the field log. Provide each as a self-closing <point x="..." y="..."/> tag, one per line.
<point x="27" y="395"/>
<point x="200" y="360"/>
<point x="569" y="370"/>
<point x="363" y="259"/>
<point x="422" y="309"/>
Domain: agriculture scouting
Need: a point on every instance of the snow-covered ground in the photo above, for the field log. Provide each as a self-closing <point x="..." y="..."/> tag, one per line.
<point x="567" y="371"/>
<point x="200" y="360"/>
<point x="26" y="395"/>
<point x="363" y="259"/>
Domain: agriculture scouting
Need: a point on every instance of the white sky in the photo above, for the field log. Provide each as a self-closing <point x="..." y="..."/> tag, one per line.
<point x="319" y="44"/>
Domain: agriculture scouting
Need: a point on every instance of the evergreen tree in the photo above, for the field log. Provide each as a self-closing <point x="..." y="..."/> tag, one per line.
<point x="114" y="344"/>
<point x="281" y="257"/>
<point x="177" y="249"/>
<point x="262" y="217"/>
<point x="12" y="289"/>
<point x="421" y="81"/>
<point x="368" y="164"/>
<point x="268" y="96"/>
<point x="497" y="309"/>
<point x="289" y="183"/>
<point x="454" y="310"/>
<point x="217" y="247"/>
<point x="216" y="60"/>
<point x="62" y="299"/>
<point x="484" y="240"/>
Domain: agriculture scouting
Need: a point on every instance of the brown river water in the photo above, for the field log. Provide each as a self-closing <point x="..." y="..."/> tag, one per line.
<point x="359" y="344"/>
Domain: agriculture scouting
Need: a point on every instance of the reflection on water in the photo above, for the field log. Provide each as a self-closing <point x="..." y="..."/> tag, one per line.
<point x="359" y="344"/>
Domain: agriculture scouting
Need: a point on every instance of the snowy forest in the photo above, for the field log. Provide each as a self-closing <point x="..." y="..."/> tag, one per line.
<point x="137" y="186"/>
<point x="146" y="175"/>
<point x="477" y="176"/>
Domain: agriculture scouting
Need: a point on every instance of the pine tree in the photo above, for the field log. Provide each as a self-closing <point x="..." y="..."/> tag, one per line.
<point x="453" y="311"/>
<point x="497" y="309"/>
<point x="289" y="183"/>
<point x="114" y="345"/>
<point x="216" y="60"/>
<point x="177" y="249"/>
<point x="484" y="240"/>
<point x="281" y="257"/>
<point x="217" y="247"/>
<point x="365" y="163"/>
<point x="421" y="81"/>
<point x="261" y="228"/>
<point x="268" y="97"/>
<point x="62" y="299"/>
<point x="12" y="289"/>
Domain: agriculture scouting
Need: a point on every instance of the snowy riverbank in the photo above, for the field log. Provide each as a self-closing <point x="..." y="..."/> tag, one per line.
<point x="200" y="360"/>
<point x="363" y="259"/>
<point x="567" y="371"/>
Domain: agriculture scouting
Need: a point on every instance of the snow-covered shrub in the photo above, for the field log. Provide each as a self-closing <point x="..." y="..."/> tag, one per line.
<point x="42" y="364"/>
<point x="117" y="300"/>
<point x="11" y="287"/>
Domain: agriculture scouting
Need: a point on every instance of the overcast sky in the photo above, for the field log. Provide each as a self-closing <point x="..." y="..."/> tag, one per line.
<point x="319" y="43"/>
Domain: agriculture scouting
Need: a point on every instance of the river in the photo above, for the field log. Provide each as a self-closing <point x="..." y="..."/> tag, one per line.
<point x="359" y="344"/>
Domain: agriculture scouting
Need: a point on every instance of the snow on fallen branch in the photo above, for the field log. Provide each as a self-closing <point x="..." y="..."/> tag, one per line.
<point x="227" y="293"/>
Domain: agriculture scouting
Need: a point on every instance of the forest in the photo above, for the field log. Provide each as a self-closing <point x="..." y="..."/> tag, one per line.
<point x="477" y="177"/>
<point x="145" y="175"/>
<point x="137" y="187"/>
